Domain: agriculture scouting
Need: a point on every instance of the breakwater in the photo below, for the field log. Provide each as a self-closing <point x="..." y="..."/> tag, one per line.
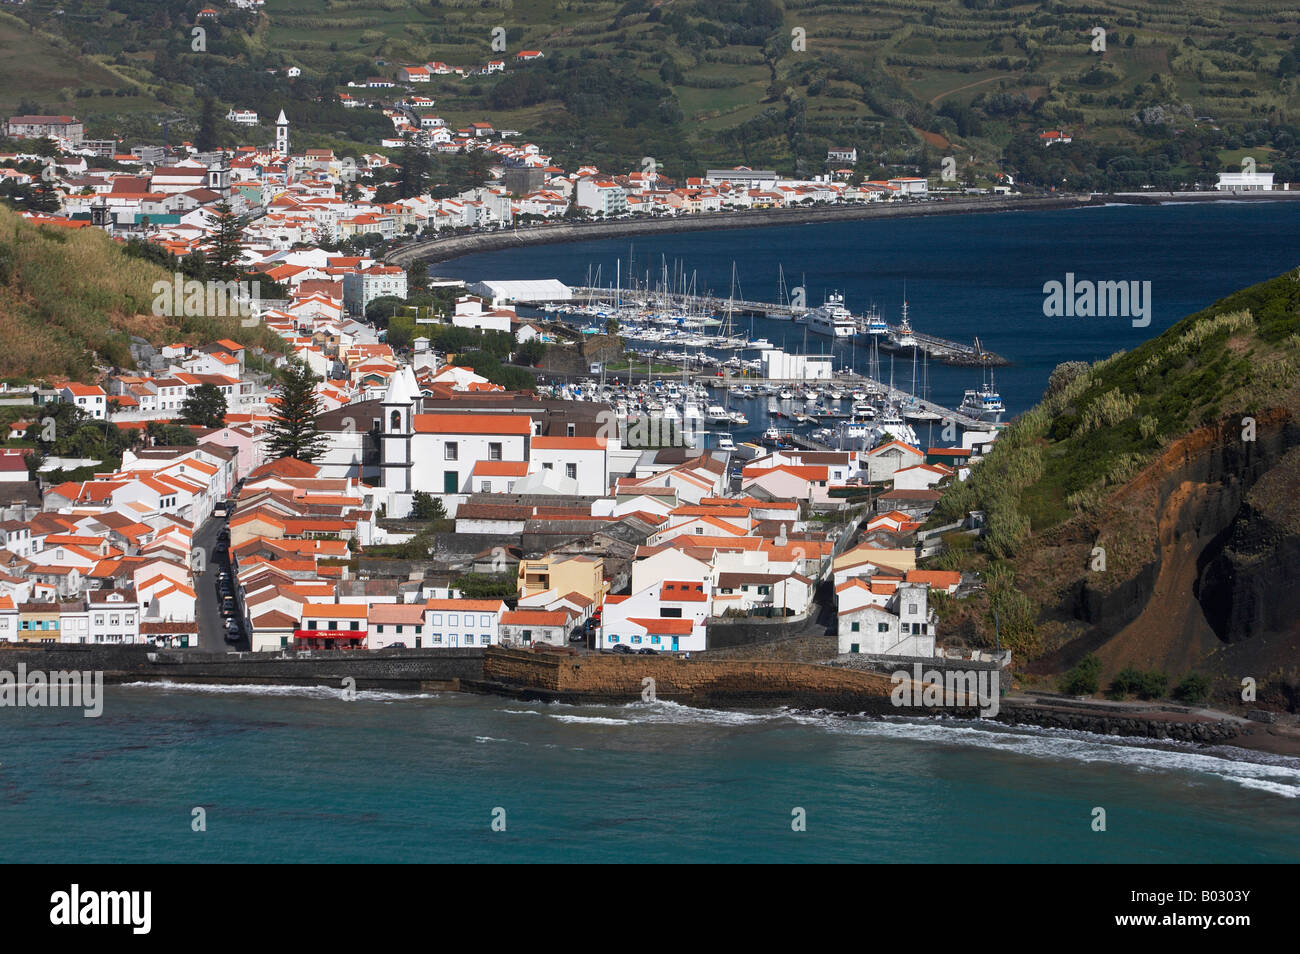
<point x="712" y="682"/>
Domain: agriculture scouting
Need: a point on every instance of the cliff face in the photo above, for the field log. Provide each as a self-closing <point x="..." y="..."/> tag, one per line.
<point x="1220" y="568"/>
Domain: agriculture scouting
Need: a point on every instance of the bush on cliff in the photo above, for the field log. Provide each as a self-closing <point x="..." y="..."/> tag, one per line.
<point x="1133" y="681"/>
<point x="1084" y="678"/>
<point x="1193" y="690"/>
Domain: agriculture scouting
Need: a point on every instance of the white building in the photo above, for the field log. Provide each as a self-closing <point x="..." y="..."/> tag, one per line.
<point x="1245" y="182"/>
<point x="437" y="453"/>
<point x="601" y="196"/>
<point x="451" y="623"/>
<point x="584" y="459"/>
<point x="796" y="367"/>
<point x="90" y="398"/>
<point x="901" y="628"/>
<point x="667" y="616"/>
<point x="361" y="288"/>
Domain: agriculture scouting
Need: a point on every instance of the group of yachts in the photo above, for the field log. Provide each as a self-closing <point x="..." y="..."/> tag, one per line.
<point x="832" y="415"/>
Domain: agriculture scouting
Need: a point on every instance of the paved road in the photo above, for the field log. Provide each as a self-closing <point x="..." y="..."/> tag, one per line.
<point x="212" y="629"/>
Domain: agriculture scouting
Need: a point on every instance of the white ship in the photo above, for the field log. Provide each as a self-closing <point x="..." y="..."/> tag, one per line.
<point x="873" y="323"/>
<point x="984" y="403"/>
<point x="891" y="427"/>
<point x="904" y="337"/>
<point x="832" y="318"/>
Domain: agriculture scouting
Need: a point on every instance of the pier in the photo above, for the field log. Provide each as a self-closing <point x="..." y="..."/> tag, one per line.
<point x="942" y="350"/>
<point x="906" y="402"/>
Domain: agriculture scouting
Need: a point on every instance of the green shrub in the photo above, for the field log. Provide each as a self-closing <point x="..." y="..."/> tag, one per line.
<point x="1083" y="679"/>
<point x="1193" y="690"/>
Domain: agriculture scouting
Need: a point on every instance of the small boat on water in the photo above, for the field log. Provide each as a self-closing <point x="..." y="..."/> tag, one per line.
<point x="725" y="442"/>
<point x="717" y="414"/>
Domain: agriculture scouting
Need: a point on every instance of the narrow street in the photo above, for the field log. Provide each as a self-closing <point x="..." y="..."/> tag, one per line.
<point x="211" y="624"/>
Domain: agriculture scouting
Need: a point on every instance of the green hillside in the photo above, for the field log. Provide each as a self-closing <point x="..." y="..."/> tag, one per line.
<point x="1180" y="90"/>
<point x="70" y="300"/>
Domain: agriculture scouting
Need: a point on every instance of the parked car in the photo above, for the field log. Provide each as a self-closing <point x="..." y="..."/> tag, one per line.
<point x="647" y="651"/>
<point x="624" y="649"/>
<point x="396" y="646"/>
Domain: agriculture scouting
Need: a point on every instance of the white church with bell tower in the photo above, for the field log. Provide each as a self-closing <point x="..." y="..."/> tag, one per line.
<point x="282" y="136"/>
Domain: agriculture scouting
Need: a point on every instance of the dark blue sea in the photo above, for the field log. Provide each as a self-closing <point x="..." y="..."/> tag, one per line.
<point x="963" y="276"/>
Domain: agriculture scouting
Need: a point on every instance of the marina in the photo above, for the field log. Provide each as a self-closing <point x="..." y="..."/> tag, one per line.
<point x="709" y="321"/>
<point x="721" y="410"/>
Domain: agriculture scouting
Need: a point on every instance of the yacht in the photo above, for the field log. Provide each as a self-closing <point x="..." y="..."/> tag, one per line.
<point x="892" y="427"/>
<point x="717" y="414"/>
<point x="786" y="394"/>
<point x="832" y="318"/>
<point x="761" y="344"/>
<point x="738" y="418"/>
<point x="725" y="442"/>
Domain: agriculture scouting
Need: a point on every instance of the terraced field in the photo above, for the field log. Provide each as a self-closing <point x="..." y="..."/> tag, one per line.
<point x="709" y="82"/>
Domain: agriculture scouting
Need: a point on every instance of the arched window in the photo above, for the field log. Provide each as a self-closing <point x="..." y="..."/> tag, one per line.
<point x="395" y="424"/>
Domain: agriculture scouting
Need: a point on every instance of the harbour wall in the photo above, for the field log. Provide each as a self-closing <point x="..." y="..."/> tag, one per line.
<point x="758" y="677"/>
<point x="723" y="683"/>
<point x="715" y="682"/>
<point x="377" y="669"/>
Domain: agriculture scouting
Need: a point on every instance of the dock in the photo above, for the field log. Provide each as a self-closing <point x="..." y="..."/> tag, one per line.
<point x="905" y="401"/>
<point x="942" y="350"/>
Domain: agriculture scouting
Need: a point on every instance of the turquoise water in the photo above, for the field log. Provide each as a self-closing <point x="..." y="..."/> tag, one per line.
<point x="301" y="775"/>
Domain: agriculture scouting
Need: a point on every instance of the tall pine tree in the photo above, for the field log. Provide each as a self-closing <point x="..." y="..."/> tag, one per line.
<point x="226" y="252"/>
<point x="292" y="431"/>
<point x="205" y="140"/>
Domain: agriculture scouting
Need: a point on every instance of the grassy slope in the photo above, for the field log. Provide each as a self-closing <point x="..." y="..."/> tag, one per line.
<point x="70" y="299"/>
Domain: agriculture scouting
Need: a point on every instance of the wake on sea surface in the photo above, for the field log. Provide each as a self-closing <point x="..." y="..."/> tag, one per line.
<point x="1277" y="775"/>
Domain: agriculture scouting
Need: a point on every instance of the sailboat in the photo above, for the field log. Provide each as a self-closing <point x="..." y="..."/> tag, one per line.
<point x="781" y="300"/>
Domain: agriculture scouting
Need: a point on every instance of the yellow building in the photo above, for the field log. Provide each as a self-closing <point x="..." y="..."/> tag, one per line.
<point x="562" y="575"/>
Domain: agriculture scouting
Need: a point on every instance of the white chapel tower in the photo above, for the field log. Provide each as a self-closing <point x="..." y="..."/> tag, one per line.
<point x="282" y="136"/>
